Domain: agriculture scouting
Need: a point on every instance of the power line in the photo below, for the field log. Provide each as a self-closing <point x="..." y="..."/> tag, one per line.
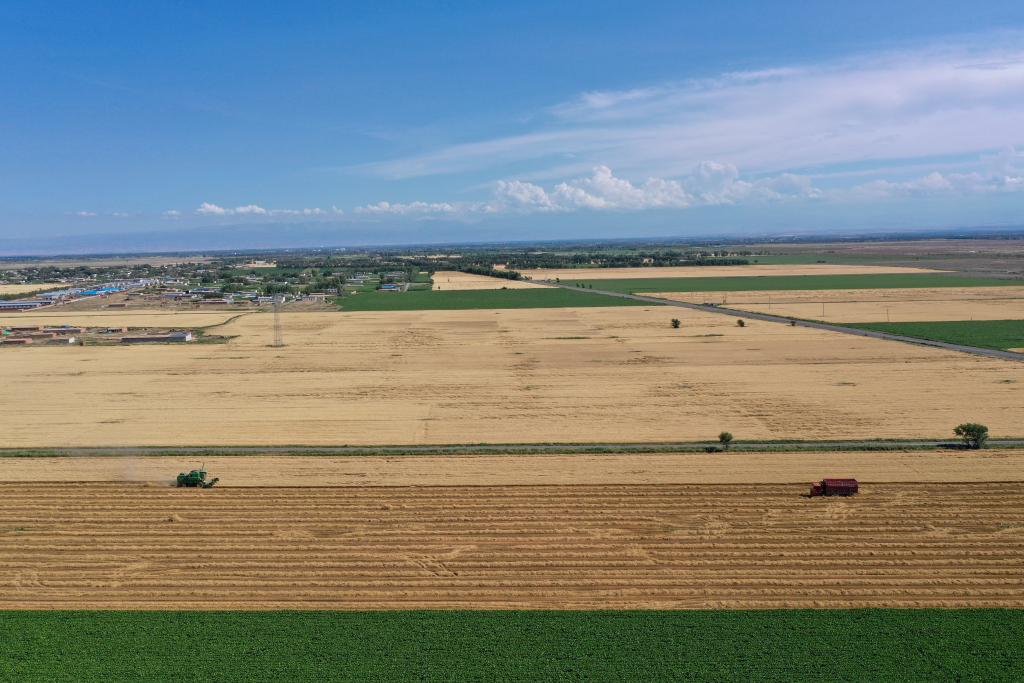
<point x="278" y="337"/>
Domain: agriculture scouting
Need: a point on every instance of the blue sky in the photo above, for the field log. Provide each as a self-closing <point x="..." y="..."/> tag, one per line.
<point x="447" y="120"/>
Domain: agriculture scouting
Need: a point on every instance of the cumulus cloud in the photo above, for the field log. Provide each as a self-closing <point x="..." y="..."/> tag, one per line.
<point x="412" y="208"/>
<point x="171" y="214"/>
<point x="208" y="209"/>
<point x="250" y="210"/>
<point x="709" y="183"/>
<point x="85" y="214"/>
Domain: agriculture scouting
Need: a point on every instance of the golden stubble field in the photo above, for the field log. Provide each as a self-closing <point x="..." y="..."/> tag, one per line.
<point x="455" y="281"/>
<point x="999" y="465"/>
<point x="26" y="289"/>
<point x="873" y="305"/>
<point x="715" y="271"/>
<point x="483" y="376"/>
<point x="683" y="546"/>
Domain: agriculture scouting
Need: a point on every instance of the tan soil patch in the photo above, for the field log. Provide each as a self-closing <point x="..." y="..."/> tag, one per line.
<point x="455" y="281"/>
<point x="872" y="305"/>
<point x="25" y="289"/>
<point x="520" y="470"/>
<point x="98" y="546"/>
<point x="542" y="375"/>
<point x="715" y="271"/>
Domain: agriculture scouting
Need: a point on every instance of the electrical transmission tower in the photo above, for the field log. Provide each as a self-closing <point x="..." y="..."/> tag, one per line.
<point x="278" y="338"/>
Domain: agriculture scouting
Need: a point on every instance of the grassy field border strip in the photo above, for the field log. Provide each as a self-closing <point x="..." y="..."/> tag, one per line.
<point x="782" y="446"/>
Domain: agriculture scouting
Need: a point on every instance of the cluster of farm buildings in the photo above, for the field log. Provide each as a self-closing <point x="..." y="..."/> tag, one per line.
<point x="74" y="294"/>
<point x="65" y="335"/>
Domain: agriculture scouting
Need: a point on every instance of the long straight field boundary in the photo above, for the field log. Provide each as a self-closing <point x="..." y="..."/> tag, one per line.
<point x="866" y="445"/>
<point x="987" y="334"/>
<point x="789" y="282"/>
<point x="863" y="645"/>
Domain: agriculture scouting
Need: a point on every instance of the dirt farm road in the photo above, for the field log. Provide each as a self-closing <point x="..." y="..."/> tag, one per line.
<point x="768" y="317"/>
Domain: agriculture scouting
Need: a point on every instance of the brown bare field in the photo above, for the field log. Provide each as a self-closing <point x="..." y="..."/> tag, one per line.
<point x="101" y="546"/>
<point x="455" y="281"/>
<point x="872" y="305"/>
<point x="715" y="271"/>
<point x="530" y="470"/>
<point x="26" y="289"/>
<point x="596" y="375"/>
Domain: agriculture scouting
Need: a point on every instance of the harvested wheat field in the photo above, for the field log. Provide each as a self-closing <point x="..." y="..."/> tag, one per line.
<point x="456" y="281"/>
<point x="604" y="375"/>
<point x="1003" y="465"/>
<point x="122" y="318"/>
<point x="872" y="305"/>
<point x="26" y="289"/>
<point x="715" y="271"/>
<point x="100" y="546"/>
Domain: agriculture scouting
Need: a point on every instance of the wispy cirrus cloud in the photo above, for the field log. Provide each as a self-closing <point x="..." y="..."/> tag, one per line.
<point x="961" y="98"/>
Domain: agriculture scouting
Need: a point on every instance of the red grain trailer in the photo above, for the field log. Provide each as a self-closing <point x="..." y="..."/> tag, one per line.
<point x="834" y="487"/>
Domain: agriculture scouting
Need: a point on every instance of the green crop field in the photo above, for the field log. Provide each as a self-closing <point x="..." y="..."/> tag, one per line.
<point x="484" y="298"/>
<point x="988" y="334"/>
<point x="785" y="645"/>
<point x="792" y="282"/>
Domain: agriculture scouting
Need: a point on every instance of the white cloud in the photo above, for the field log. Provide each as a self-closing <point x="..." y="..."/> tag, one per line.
<point x="935" y="184"/>
<point x="208" y="209"/>
<point x="250" y="210"/>
<point x="298" y="212"/>
<point x="949" y="99"/>
<point x="412" y="208"/>
<point x="85" y="214"/>
<point x="709" y="183"/>
<point x="171" y="214"/>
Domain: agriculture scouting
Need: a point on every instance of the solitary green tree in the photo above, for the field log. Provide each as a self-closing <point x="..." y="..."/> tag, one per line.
<point x="740" y="323"/>
<point x="973" y="434"/>
<point x="725" y="438"/>
<point x="675" y="323"/>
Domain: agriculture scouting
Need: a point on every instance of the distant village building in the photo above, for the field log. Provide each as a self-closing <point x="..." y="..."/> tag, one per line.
<point x="180" y="336"/>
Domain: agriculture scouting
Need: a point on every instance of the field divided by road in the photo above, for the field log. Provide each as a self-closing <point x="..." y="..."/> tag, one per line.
<point x="788" y="282"/>
<point x="618" y="374"/>
<point x="863" y="645"/>
<point x="1006" y="335"/>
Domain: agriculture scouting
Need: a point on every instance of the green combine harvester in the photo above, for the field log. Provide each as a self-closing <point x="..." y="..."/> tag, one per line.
<point x="196" y="479"/>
